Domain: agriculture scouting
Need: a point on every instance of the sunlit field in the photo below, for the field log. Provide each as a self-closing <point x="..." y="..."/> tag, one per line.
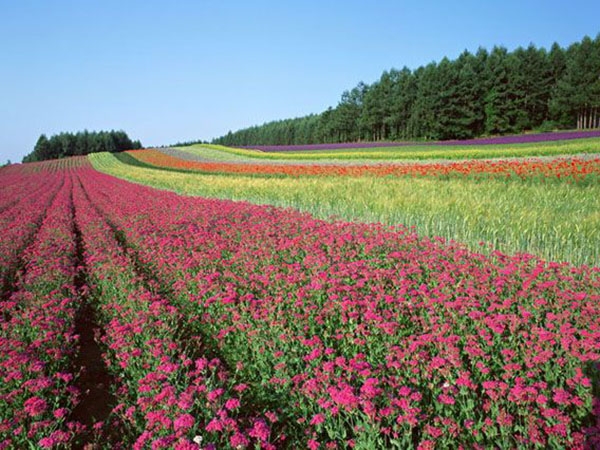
<point x="213" y="299"/>
<point x="556" y="220"/>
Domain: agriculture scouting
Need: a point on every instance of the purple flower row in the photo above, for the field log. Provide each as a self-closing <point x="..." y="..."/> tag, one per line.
<point x="500" y="140"/>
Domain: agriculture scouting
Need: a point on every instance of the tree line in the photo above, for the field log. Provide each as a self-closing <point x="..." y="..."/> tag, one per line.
<point x="487" y="93"/>
<point x="82" y="143"/>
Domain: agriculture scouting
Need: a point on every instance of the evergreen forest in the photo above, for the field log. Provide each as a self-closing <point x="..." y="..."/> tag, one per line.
<point x="487" y="93"/>
<point x="82" y="143"/>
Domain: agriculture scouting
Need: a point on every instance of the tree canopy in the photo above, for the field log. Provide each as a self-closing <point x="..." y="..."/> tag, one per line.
<point x="486" y="93"/>
<point x="82" y="143"/>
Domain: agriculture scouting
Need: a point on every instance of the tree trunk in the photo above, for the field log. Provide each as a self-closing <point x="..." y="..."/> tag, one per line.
<point x="588" y="120"/>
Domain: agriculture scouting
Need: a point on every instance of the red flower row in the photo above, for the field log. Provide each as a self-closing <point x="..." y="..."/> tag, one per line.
<point x="571" y="168"/>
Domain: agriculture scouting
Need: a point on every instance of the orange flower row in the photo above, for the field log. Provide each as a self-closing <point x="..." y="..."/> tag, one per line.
<point x="574" y="168"/>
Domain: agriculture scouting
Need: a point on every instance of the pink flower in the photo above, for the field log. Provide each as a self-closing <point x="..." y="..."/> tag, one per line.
<point x="56" y="438"/>
<point x="185" y="445"/>
<point x="184" y="422"/>
<point x="541" y="399"/>
<point x="317" y="419"/>
<point x="316" y="352"/>
<point x="312" y="444"/>
<point x="35" y="406"/>
<point x="271" y="416"/>
<point x="426" y="445"/>
<point x="446" y="399"/>
<point x="238" y="440"/>
<point x="232" y="403"/>
<point x="561" y="397"/>
<point x="213" y="395"/>
<point x="60" y="413"/>
<point x="214" y="425"/>
<point x="343" y="396"/>
<point x="404" y="391"/>
<point x="260" y="430"/>
<point x="369" y="389"/>
<point x="47" y="442"/>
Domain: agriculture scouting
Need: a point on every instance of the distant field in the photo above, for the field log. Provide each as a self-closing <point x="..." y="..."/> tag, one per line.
<point x="559" y="221"/>
<point x="414" y="152"/>
<point x="133" y="317"/>
<point x="575" y="169"/>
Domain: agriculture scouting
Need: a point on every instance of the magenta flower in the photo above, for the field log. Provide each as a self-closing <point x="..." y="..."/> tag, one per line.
<point x="317" y="419"/>
<point x="184" y="422"/>
<point x="232" y="403"/>
<point x="260" y="430"/>
<point x="561" y="397"/>
<point x="343" y="396"/>
<point x="446" y="399"/>
<point x="369" y="388"/>
<point x="35" y="406"/>
<point x="214" y="425"/>
<point x="238" y="440"/>
<point x="312" y="444"/>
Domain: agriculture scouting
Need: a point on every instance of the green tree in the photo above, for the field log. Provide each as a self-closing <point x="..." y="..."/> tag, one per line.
<point x="491" y="93"/>
<point x="576" y="100"/>
<point x="402" y="97"/>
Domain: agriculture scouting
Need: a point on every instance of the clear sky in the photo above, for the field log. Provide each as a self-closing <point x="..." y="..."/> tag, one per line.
<point x="167" y="71"/>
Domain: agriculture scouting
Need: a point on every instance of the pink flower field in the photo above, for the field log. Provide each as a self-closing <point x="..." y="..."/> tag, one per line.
<point x="222" y="324"/>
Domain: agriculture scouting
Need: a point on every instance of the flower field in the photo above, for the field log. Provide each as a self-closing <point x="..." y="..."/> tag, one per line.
<point x="550" y="216"/>
<point x="223" y="324"/>
<point x="574" y="169"/>
<point x="361" y="153"/>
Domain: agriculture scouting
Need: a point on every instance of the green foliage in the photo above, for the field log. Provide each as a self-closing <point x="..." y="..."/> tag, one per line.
<point x="485" y="93"/>
<point x="82" y="143"/>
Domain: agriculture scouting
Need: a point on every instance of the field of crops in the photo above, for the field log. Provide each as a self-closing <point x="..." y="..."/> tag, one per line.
<point x="133" y="317"/>
<point x="543" y="207"/>
<point x="356" y="152"/>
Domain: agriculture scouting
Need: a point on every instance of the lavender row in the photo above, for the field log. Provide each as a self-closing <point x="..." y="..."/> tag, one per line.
<point x="499" y="140"/>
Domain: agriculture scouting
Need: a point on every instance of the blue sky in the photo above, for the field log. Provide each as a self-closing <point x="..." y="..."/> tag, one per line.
<point x="172" y="71"/>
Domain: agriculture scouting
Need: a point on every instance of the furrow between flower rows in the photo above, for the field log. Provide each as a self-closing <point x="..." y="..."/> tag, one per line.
<point x="167" y="394"/>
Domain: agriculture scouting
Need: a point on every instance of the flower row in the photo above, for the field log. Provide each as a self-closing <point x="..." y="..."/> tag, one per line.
<point x="500" y="140"/>
<point x="168" y="393"/>
<point x="37" y="338"/>
<point x="573" y="169"/>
